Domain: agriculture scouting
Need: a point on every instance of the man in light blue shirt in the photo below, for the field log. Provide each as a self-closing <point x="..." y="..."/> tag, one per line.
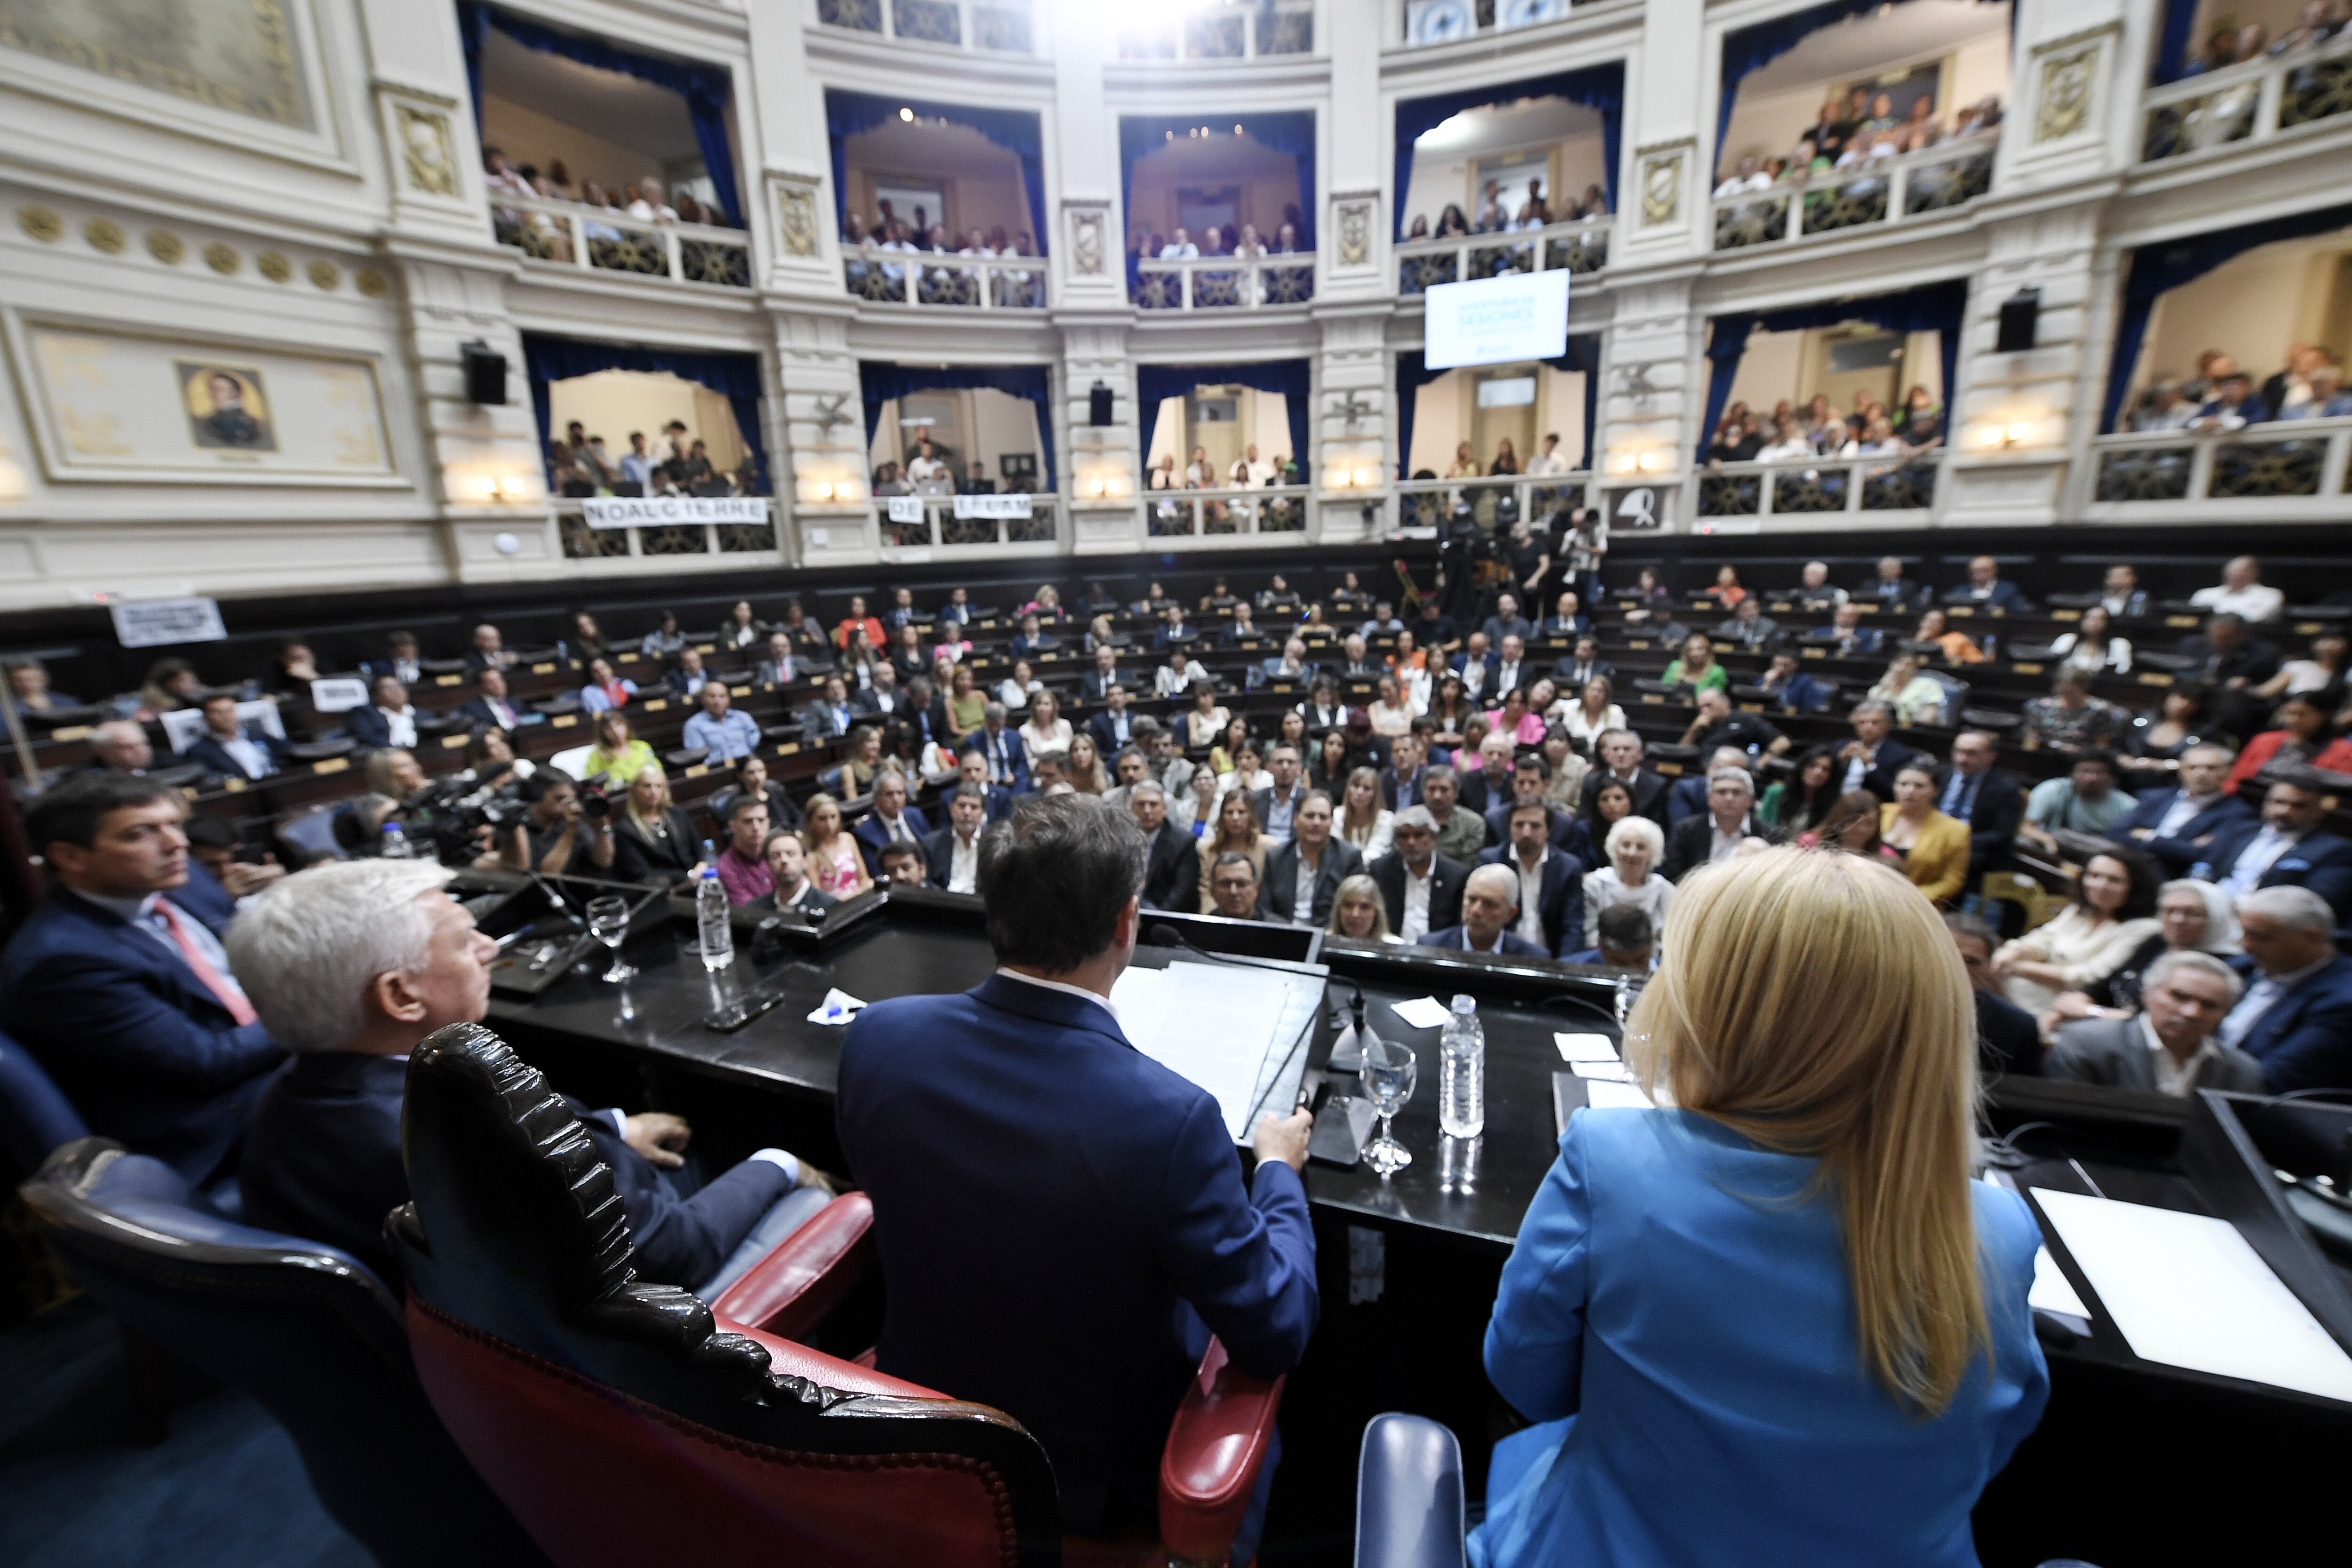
<point x="719" y="729"/>
<point x="636" y="463"/>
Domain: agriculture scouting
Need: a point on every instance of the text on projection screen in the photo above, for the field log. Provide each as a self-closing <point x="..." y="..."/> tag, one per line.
<point x="1493" y="321"/>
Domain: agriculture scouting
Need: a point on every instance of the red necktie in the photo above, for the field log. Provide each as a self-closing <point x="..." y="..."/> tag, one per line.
<point x="215" y="981"/>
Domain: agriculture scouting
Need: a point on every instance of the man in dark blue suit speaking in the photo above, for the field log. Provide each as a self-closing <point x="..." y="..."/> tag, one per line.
<point x="1062" y="1221"/>
<point x="118" y="983"/>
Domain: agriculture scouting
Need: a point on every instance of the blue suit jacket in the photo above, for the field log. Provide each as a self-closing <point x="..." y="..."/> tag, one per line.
<point x="872" y="839"/>
<point x="2320" y="862"/>
<point x="1048" y="1200"/>
<point x="323" y="1160"/>
<point x="204" y="749"/>
<point x="2304" y="1040"/>
<point x="1677" y="1291"/>
<point x="143" y="1049"/>
<point x="1007" y="744"/>
<point x="1458" y="939"/>
<point x="2006" y="598"/>
<point x="2177" y="852"/>
<point x="368" y="726"/>
<point x="1562" y="900"/>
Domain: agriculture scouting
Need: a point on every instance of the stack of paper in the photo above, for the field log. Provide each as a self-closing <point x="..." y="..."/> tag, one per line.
<point x="1226" y="1027"/>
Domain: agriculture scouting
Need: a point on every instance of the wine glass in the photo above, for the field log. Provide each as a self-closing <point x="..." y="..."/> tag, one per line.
<point x="1387" y="1075"/>
<point x="608" y="918"/>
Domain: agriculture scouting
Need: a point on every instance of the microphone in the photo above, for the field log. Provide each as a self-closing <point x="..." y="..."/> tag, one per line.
<point x="1162" y="934"/>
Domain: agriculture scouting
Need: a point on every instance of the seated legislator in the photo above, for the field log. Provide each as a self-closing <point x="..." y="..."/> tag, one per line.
<point x="2167" y="1048"/>
<point x="352" y="964"/>
<point x="1233" y="887"/>
<point x="2295" y="1017"/>
<point x="117" y="981"/>
<point x="788" y="868"/>
<point x="1627" y="940"/>
<point x="1303" y="875"/>
<point x="1490" y="902"/>
<point x="1063" y="1222"/>
<point x="1788" y="1270"/>
<point x="233" y="749"/>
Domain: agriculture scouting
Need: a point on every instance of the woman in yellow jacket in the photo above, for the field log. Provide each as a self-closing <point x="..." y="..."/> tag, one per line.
<point x="1934" y="848"/>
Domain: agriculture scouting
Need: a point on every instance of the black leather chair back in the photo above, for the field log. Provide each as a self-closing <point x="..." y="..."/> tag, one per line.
<point x="307" y="1331"/>
<point x="35" y="1115"/>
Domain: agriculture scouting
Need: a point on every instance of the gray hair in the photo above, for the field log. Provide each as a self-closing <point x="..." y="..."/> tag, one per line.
<point x="1883" y="710"/>
<point x="1738" y="775"/>
<point x="1630" y="828"/>
<point x="307" y="950"/>
<point x="116" y="732"/>
<point x="2204" y="963"/>
<point x="2298" y="908"/>
<point x="993" y="710"/>
<point x="1504" y="881"/>
<point x="1414" y="816"/>
<point x="1145" y="786"/>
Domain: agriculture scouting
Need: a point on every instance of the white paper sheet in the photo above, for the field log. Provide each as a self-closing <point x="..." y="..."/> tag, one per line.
<point x="1603" y="1095"/>
<point x="1421" y="1012"/>
<point x="1210" y="1023"/>
<point x="1585" y="1048"/>
<point x="2052" y="1291"/>
<point x="838" y="1007"/>
<point x="2189" y="1291"/>
<point x="1612" y="1071"/>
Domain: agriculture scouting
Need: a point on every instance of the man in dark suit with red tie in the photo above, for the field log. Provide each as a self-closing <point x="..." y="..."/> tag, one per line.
<point x="117" y="982"/>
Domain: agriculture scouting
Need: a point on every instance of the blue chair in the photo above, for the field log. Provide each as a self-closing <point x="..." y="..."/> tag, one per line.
<point x="1409" y="1507"/>
<point x="306" y="1331"/>
<point x="35" y="1115"/>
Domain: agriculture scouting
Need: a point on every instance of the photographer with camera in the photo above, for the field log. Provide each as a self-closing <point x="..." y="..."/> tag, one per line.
<point x="561" y="821"/>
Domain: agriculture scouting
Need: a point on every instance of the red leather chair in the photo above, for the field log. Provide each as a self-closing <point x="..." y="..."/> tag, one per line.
<point x="623" y="1422"/>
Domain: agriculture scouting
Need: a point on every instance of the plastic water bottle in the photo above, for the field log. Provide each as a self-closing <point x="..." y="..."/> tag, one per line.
<point x="1623" y="1002"/>
<point x="397" y="845"/>
<point x="1462" y="1102"/>
<point x="711" y="914"/>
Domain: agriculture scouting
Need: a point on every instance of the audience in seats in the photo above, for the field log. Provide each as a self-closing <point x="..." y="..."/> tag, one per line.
<point x="2295" y="1017"/>
<point x="1490" y="898"/>
<point x="235" y="750"/>
<point x="1420" y="889"/>
<point x="1975" y="791"/>
<point x="979" y="1238"/>
<point x="2113" y="911"/>
<point x="1549" y="898"/>
<point x="1723" y="830"/>
<point x="117" y="981"/>
<point x="2305" y="738"/>
<point x="2287" y="847"/>
<point x="2008" y="1040"/>
<point x="1933" y="847"/>
<point x="2087" y="800"/>
<point x="2170" y="1046"/>
<point x="1634" y="847"/>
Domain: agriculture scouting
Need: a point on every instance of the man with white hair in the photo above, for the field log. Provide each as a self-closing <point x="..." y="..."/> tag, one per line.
<point x="1490" y="901"/>
<point x="2295" y="1017"/>
<point x="350" y="965"/>
<point x="1728" y="822"/>
<point x="1815" y="591"/>
<point x="122" y="745"/>
<point x="2242" y="593"/>
<point x="1421" y="889"/>
<point x="2169" y="1047"/>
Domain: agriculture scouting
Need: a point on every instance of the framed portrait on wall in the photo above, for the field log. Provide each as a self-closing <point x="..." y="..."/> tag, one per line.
<point x="226" y="408"/>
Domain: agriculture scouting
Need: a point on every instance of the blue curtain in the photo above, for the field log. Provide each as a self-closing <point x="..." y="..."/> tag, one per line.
<point x="705" y="88"/>
<point x="735" y="377"/>
<point x="1016" y="130"/>
<point x="880" y="382"/>
<point x="1600" y="88"/>
<point x="1292" y="134"/>
<point x="1413" y="373"/>
<point x="1751" y="49"/>
<point x="2172" y="45"/>
<point x="2153" y="270"/>
<point x="1935" y="308"/>
<point x="1286" y="376"/>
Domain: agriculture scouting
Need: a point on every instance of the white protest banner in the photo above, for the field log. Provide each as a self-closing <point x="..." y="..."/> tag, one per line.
<point x="666" y="512"/>
<point x="905" y="509"/>
<point x="338" y="694"/>
<point x="992" y="506"/>
<point x="159" y="623"/>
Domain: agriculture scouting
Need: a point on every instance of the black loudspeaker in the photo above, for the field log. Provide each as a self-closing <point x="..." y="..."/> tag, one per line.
<point x="1098" y="405"/>
<point x="2020" y="314"/>
<point x="486" y="373"/>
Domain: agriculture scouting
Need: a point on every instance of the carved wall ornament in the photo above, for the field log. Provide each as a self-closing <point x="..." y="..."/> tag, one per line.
<point x="1086" y="241"/>
<point x="796" y="215"/>
<point x="166" y="247"/>
<point x="273" y="266"/>
<point x="324" y="275"/>
<point x="1662" y="189"/>
<point x="1355" y="233"/>
<point x="369" y="282"/>
<point x="223" y="258"/>
<point x="104" y="233"/>
<point x="40" y="223"/>
<point x="425" y="151"/>
<point x="1354" y="409"/>
<point x="2068" y="81"/>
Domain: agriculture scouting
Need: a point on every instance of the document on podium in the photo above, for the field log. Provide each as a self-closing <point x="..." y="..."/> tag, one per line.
<point x="1239" y="1033"/>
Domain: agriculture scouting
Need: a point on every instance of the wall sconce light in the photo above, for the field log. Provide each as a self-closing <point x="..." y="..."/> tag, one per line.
<point x="1365" y="479"/>
<point x="2001" y="436"/>
<point x="822" y="490"/>
<point x="1650" y="462"/>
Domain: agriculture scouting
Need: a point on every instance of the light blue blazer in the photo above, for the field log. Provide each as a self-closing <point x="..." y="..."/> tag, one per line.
<point x="1679" y="1319"/>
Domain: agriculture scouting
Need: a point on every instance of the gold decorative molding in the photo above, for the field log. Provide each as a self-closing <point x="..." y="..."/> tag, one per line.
<point x="104" y="235"/>
<point x="425" y="151"/>
<point x="2068" y="83"/>
<point x="273" y="266"/>
<point x="223" y="258"/>
<point x="1355" y="233"/>
<point x="166" y="247"/>
<point x="40" y="223"/>
<point x="232" y="55"/>
<point x="369" y="282"/>
<point x="1662" y="188"/>
<point x="797" y="216"/>
<point x="324" y="275"/>
<point x="1086" y="241"/>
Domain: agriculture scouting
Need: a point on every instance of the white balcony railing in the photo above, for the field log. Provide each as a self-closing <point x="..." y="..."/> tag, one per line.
<point x="1815" y="486"/>
<point x="1224" y="30"/>
<point x="689" y="539"/>
<point x="993" y="27"/>
<point x="1882" y="190"/>
<point x="934" y="523"/>
<point x="1580" y="247"/>
<point x="1429" y="22"/>
<point x="1224" y="282"/>
<point x="1492" y="503"/>
<point x="1225" y="514"/>
<point x="2248" y="102"/>
<point x="936" y="280"/>
<point x="2268" y="466"/>
<point x="599" y="239"/>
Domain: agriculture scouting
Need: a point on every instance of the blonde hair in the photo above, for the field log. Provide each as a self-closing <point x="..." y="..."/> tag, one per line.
<point x="1881" y="1090"/>
<point x="629" y="799"/>
<point x="1360" y="885"/>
